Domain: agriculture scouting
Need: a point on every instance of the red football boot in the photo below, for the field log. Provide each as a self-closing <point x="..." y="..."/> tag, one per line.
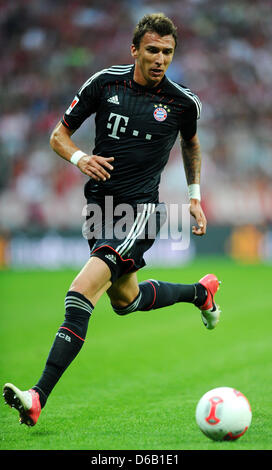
<point x="210" y="312"/>
<point x="27" y="403"/>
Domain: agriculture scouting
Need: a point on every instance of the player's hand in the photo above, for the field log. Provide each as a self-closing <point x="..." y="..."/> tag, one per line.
<point x="96" y="166"/>
<point x="197" y="212"/>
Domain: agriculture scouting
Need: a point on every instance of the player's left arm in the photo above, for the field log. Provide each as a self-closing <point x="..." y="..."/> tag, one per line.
<point x="191" y="154"/>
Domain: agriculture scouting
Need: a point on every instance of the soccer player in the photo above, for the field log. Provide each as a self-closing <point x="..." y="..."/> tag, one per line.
<point x="139" y="114"/>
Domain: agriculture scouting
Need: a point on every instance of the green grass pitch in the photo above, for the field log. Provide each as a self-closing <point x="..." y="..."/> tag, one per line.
<point x="137" y="380"/>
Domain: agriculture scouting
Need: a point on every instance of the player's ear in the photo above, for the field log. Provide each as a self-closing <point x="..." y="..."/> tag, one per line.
<point x="133" y="51"/>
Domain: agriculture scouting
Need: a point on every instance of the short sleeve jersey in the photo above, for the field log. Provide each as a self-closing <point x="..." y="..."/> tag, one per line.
<point x="136" y="125"/>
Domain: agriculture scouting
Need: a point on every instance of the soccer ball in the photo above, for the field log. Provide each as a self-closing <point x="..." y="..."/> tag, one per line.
<point x="223" y="413"/>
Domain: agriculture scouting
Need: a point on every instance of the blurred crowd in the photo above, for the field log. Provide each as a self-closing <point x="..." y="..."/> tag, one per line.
<point x="49" y="48"/>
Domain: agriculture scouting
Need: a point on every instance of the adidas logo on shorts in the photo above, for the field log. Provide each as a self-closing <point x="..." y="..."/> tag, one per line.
<point x="111" y="258"/>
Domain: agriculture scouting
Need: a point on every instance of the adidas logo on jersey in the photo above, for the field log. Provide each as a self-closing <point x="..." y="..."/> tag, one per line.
<point x="114" y="99"/>
<point x="111" y="258"/>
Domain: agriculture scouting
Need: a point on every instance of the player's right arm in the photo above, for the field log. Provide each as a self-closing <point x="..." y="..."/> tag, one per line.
<point x="95" y="166"/>
<point x="85" y="103"/>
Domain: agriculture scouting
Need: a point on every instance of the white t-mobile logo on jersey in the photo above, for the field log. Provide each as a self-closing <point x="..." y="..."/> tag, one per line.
<point x="117" y="121"/>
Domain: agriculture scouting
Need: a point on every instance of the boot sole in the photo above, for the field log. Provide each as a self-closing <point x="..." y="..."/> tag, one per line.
<point x="14" y="401"/>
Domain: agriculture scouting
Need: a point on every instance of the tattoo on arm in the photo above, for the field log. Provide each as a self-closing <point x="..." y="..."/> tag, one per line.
<point x="191" y="155"/>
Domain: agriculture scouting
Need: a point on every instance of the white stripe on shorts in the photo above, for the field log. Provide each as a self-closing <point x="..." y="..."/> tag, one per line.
<point x="136" y="229"/>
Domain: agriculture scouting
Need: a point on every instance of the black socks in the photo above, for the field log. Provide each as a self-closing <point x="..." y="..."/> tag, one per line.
<point x="71" y="334"/>
<point x="157" y="294"/>
<point x="201" y="295"/>
<point x="68" y="342"/>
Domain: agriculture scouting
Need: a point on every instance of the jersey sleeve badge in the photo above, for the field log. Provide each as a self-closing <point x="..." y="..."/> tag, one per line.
<point x="72" y="105"/>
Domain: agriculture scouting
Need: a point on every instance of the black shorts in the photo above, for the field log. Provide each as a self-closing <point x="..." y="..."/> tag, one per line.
<point x="120" y="235"/>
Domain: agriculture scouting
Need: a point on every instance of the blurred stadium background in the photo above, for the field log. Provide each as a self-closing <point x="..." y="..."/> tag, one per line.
<point x="50" y="48"/>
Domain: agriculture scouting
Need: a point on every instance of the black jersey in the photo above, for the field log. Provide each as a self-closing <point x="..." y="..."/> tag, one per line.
<point x="136" y="125"/>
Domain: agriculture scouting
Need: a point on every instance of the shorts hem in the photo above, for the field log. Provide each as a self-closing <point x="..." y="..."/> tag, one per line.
<point x="116" y="269"/>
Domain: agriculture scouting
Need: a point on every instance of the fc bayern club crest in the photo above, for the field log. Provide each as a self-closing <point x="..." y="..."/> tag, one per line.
<point x="160" y="113"/>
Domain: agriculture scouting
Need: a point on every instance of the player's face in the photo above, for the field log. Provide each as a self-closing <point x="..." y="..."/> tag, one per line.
<point x="153" y="58"/>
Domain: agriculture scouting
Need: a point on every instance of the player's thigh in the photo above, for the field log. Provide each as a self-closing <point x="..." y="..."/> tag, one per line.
<point x="124" y="290"/>
<point x="93" y="280"/>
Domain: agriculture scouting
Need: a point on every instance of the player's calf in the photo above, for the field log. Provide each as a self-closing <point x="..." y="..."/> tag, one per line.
<point x="155" y="294"/>
<point x="158" y="294"/>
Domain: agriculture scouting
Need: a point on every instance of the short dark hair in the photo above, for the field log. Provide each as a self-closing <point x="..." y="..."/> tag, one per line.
<point x="155" y="22"/>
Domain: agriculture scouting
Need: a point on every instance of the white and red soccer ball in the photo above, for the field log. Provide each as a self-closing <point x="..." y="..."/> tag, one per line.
<point x="223" y="413"/>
